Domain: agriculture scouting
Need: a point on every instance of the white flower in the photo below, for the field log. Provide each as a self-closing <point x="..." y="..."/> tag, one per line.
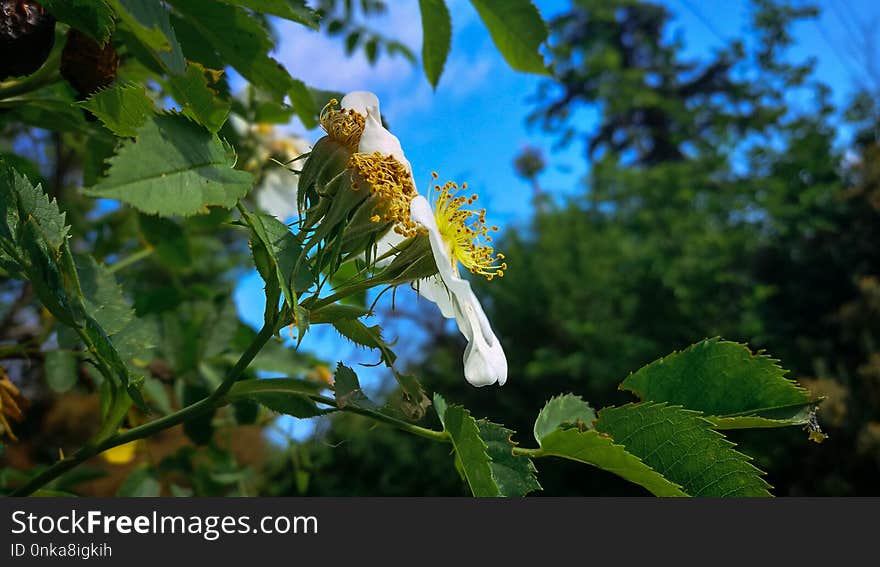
<point x="457" y="235"/>
<point x="277" y="193"/>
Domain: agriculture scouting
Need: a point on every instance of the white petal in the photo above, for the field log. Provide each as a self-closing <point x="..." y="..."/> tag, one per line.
<point x="376" y="138"/>
<point x="434" y="290"/>
<point x="359" y="101"/>
<point x="277" y="194"/>
<point x="484" y="359"/>
<point x="387" y="245"/>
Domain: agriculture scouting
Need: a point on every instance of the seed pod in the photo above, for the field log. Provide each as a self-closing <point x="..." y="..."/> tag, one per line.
<point x="86" y="65"/>
<point x="27" y="34"/>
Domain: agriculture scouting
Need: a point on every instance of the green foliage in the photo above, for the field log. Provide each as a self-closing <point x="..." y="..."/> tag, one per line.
<point x="565" y="410"/>
<point x="593" y="448"/>
<point x="518" y="31"/>
<point x="484" y="454"/>
<point x="240" y="40"/>
<point x="293" y="10"/>
<point x="197" y="99"/>
<point x="515" y="475"/>
<point x="682" y="446"/>
<point x="283" y="395"/>
<point x="149" y="22"/>
<point x="471" y="457"/>
<point x="347" y="388"/>
<point x="437" y="37"/>
<point x="122" y="108"/>
<point x="93" y="17"/>
<point x="728" y="383"/>
<point x="174" y="167"/>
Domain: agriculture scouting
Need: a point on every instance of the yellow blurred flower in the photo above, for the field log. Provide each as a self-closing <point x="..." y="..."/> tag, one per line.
<point x="11" y="404"/>
<point x="122" y="454"/>
<point x="321" y="373"/>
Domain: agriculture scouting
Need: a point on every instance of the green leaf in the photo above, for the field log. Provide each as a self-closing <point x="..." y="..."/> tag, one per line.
<point x="140" y="483"/>
<point x="61" y="370"/>
<point x="276" y="252"/>
<point x="102" y="296"/>
<point x="437" y="37"/>
<point x="240" y="40"/>
<point x="20" y="200"/>
<point x="168" y="239"/>
<point x="283" y="395"/>
<point x="518" y="31"/>
<point x="293" y="10"/>
<point x="197" y="99"/>
<point x="122" y="108"/>
<point x="174" y="167"/>
<point x="245" y="389"/>
<point x="514" y="475"/>
<point x="348" y="389"/>
<point x="682" y="446"/>
<point x="594" y="448"/>
<point x="148" y="20"/>
<point x="470" y="449"/>
<point x="734" y="387"/>
<point x="562" y="410"/>
<point x="303" y="101"/>
<point x="92" y="17"/>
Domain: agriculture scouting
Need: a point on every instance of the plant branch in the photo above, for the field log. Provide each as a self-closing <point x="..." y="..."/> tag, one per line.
<point x="147" y="429"/>
<point x="431" y="434"/>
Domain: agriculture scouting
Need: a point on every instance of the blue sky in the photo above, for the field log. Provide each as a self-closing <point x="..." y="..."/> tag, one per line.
<point x="473" y="125"/>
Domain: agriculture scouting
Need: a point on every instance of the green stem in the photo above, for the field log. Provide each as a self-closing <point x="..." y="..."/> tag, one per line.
<point x="131" y="259"/>
<point x="525" y="452"/>
<point x="431" y="434"/>
<point x="147" y="429"/>
<point x="46" y="75"/>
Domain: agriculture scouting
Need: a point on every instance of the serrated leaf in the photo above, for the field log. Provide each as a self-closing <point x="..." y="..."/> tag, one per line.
<point x="727" y="382"/>
<point x="20" y="200"/>
<point x="122" y="108"/>
<point x="174" y="167"/>
<point x="276" y="252"/>
<point x="682" y="446"/>
<point x="197" y="99"/>
<point x="593" y="448"/>
<point x="563" y="410"/>
<point x="470" y="449"/>
<point x="348" y="389"/>
<point x="518" y="31"/>
<point x="293" y="10"/>
<point x="240" y="40"/>
<point x="437" y="37"/>
<point x="514" y="475"/>
<point x="92" y="17"/>
<point x="148" y="20"/>
<point x="61" y="370"/>
<point x="102" y="296"/>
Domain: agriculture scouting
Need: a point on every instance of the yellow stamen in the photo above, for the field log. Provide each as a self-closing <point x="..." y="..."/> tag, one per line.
<point x="344" y="126"/>
<point x="391" y="183"/>
<point x="465" y="232"/>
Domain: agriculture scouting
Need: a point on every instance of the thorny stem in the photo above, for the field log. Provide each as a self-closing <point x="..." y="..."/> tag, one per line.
<point x="431" y="434"/>
<point x="147" y="429"/>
